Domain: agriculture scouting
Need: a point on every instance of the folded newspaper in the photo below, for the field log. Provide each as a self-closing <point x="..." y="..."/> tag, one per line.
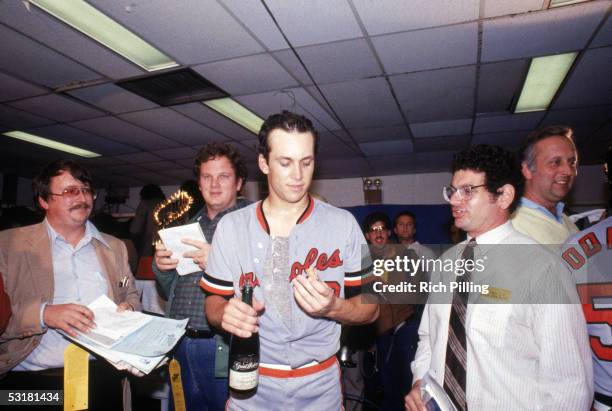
<point x="434" y="397"/>
<point x="129" y="338"/>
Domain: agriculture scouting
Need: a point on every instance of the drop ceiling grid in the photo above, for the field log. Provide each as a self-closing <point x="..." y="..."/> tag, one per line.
<point x="247" y="75"/>
<point x="399" y="15"/>
<point x="62" y="38"/>
<point x="15" y="89"/>
<point x="124" y="132"/>
<point x="172" y="125"/>
<point x="363" y="103"/>
<point x="444" y="94"/>
<point x="112" y="98"/>
<point x="334" y="21"/>
<point x="211" y="119"/>
<point x="428" y="49"/>
<point x="185" y="35"/>
<point x="340" y="61"/>
<point x="83" y="139"/>
<point x="590" y="83"/>
<point x="22" y="56"/>
<point x="58" y="107"/>
<point x="559" y="30"/>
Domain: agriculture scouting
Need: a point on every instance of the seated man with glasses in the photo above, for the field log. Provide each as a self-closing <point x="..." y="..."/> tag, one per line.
<point x="52" y="271"/>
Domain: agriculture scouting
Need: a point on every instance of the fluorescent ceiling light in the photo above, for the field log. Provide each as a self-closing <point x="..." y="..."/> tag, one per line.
<point x="31" y="138"/>
<point x="91" y="22"/>
<point x="559" y="3"/>
<point x="236" y="112"/>
<point x="543" y="80"/>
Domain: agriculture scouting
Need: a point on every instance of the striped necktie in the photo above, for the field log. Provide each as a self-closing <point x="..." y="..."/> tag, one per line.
<point x="456" y="350"/>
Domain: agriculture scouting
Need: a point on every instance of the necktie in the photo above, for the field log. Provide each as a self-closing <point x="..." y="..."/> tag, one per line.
<point x="456" y="351"/>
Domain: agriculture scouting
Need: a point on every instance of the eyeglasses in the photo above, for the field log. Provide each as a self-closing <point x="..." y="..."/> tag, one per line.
<point x="377" y="228"/>
<point x="464" y="193"/>
<point x="70" y="193"/>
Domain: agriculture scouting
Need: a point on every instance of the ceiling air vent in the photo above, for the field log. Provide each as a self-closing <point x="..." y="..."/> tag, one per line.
<point x="174" y="87"/>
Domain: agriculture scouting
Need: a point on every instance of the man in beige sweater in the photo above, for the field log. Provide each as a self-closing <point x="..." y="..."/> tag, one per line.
<point x="549" y="165"/>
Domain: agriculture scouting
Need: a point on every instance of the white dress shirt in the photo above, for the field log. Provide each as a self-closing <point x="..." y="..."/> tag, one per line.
<point x="526" y="356"/>
<point x="78" y="278"/>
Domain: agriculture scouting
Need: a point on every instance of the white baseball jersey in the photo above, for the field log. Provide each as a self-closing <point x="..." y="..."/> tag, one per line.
<point x="589" y="256"/>
<point x="326" y="238"/>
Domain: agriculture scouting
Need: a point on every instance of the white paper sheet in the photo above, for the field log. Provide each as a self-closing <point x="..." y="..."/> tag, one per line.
<point x="171" y="237"/>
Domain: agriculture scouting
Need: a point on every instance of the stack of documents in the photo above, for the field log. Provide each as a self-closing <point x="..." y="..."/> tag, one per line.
<point x="128" y="338"/>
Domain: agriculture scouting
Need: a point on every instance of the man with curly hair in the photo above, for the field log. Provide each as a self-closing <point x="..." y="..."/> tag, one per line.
<point x="203" y="354"/>
<point x="522" y="343"/>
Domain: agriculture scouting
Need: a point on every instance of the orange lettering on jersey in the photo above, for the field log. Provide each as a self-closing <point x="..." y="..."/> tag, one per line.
<point x="587" y="292"/>
<point x="609" y="237"/>
<point x="323" y="262"/>
<point x="573" y="258"/>
<point x="248" y="276"/>
<point x="590" y="244"/>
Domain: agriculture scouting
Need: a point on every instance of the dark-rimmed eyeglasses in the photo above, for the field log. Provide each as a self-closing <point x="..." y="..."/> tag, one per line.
<point x="70" y="193"/>
<point x="464" y="193"/>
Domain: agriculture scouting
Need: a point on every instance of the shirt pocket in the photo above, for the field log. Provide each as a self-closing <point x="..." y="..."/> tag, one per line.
<point x="489" y="323"/>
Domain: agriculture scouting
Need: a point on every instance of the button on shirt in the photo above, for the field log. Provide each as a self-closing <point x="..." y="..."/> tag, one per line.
<point x="78" y="278"/>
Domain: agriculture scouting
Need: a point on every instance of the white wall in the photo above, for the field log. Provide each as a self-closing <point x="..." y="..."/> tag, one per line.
<point x="590" y="190"/>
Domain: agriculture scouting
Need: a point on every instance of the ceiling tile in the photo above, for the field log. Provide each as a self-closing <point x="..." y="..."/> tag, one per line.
<point x="64" y="39"/>
<point x="363" y="103"/>
<point x="138" y="158"/>
<point x="590" y="84"/>
<point x="247" y="75"/>
<point x="297" y="19"/>
<point x="380" y="17"/>
<point x="182" y="175"/>
<point x="112" y="98"/>
<point x="447" y="143"/>
<point x="213" y="120"/>
<point x="161" y="166"/>
<point x="17" y="119"/>
<point x="22" y="56"/>
<point x="342" y="167"/>
<point x="509" y="122"/>
<point x="296" y="100"/>
<point x="495" y="95"/>
<point x="13" y="88"/>
<point x="509" y="139"/>
<point x="381" y="148"/>
<point x="102" y="162"/>
<point x="436" y="95"/>
<point x="604" y="35"/>
<point x="205" y="33"/>
<point x="83" y="139"/>
<point x="287" y="59"/>
<point x="59" y="108"/>
<point x="177" y="153"/>
<point x="340" y="61"/>
<point x="255" y="18"/>
<point x="591" y="115"/>
<point x="553" y="31"/>
<point x="494" y="8"/>
<point x="428" y="49"/>
<point x="364" y="135"/>
<point x="173" y="125"/>
<point x="330" y="146"/>
<point x="441" y="128"/>
<point x="123" y="132"/>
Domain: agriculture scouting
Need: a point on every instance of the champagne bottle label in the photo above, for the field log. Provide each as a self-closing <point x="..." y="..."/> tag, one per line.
<point x="243" y="373"/>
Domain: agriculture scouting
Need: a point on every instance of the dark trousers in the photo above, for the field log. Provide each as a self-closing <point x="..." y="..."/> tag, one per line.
<point x="105" y="388"/>
<point x="395" y="352"/>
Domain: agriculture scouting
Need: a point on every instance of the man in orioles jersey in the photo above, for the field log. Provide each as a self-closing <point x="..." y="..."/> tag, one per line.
<point x="589" y="256"/>
<point x="275" y="243"/>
